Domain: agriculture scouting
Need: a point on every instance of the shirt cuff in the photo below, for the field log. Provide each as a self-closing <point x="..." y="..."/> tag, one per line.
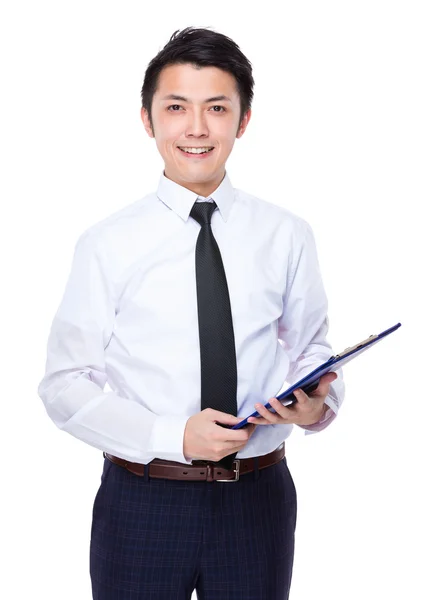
<point x="326" y="420"/>
<point x="167" y="435"/>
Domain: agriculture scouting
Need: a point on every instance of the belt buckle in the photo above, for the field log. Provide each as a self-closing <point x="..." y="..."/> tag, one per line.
<point x="237" y="469"/>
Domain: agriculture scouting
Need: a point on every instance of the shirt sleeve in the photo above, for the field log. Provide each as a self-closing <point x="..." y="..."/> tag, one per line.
<point x="304" y="323"/>
<point x="72" y="388"/>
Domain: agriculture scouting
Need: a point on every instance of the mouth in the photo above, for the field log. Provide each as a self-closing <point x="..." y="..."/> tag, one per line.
<point x="196" y="153"/>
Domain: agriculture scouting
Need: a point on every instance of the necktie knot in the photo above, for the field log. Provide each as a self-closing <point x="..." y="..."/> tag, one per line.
<point x="202" y="212"/>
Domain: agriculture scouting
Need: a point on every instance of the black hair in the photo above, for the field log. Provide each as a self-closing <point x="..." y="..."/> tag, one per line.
<point x="201" y="48"/>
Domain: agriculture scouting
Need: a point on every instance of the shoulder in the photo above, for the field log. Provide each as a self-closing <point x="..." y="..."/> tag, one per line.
<point x="119" y="223"/>
<point x="260" y="208"/>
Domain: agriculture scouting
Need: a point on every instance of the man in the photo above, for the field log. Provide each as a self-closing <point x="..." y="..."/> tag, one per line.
<point x="195" y="304"/>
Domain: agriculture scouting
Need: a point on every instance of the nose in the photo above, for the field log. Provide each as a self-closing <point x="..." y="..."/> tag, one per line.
<point x="196" y="124"/>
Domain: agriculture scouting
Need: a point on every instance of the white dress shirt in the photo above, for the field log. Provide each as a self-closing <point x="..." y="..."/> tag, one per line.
<point x="128" y="317"/>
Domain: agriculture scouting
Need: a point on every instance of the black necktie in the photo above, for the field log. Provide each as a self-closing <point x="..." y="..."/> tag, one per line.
<point x="216" y="337"/>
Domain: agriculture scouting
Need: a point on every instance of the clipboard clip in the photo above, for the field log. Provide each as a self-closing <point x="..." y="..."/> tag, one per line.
<point x="356" y="347"/>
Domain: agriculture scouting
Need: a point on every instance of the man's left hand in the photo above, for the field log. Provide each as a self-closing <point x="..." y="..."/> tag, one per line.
<point x="306" y="411"/>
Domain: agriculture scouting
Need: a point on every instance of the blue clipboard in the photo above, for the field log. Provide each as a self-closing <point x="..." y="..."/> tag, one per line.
<point x="310" y="382"/>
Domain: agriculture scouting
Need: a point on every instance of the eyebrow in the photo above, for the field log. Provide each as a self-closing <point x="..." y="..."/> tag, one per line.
<point x="183" y="99"/>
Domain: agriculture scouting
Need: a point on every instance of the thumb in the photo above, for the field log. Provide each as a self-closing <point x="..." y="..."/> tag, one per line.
<point x="222" y="417"/>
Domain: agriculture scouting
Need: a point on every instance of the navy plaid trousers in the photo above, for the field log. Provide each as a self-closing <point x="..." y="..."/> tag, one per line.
<point x="161" y="539"/>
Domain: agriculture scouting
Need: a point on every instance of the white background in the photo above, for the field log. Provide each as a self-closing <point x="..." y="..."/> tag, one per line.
<point x="337" y="136"/>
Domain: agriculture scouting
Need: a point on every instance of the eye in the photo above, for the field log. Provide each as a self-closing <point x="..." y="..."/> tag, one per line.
<point x="172" y="106"/>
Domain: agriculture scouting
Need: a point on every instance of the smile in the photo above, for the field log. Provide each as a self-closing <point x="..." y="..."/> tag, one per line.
<point x="197" y="153"/>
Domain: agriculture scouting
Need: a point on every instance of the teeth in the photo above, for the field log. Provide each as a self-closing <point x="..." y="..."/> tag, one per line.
<point x="196" y="150"/>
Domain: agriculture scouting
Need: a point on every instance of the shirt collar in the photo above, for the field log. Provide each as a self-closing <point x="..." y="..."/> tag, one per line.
<point x="181" y="200"/>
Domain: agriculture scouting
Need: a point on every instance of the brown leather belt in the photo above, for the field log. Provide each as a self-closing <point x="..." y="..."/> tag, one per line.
<point x="200" y="470"/>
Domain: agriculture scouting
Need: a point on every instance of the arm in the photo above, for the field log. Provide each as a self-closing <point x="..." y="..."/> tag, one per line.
<point x="303" y="325"/>
<point x="72" y="387"/>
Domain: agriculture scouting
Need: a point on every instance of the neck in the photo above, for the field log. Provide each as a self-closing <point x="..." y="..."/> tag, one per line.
<point x="200" y="188"/>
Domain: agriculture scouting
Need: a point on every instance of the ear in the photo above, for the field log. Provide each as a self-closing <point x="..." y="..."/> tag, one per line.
<point x="146" y="123"/>
<point x="244" y="123"/>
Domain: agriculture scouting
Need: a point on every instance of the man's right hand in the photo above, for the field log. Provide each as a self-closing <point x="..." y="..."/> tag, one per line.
<point x="205" y="440"/>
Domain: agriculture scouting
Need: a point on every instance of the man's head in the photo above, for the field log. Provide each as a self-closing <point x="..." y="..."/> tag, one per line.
<point x="197" y="93"/>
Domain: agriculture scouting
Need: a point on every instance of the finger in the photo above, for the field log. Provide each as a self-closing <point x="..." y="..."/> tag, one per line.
<point x="267" y="414"/>
<point x="248" y="429"/>
<point x="232" y="435"/>
<point x="258" y="421"/>
<point x="217" y="415"/>
<point x="328" y="378"/>
<point x="301" y="396"/>
<point x="284" y="412"/>
<point x="322" y="389"/>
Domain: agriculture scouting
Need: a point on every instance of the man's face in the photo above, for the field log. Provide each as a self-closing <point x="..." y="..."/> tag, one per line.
<point x="200" y="120"/>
